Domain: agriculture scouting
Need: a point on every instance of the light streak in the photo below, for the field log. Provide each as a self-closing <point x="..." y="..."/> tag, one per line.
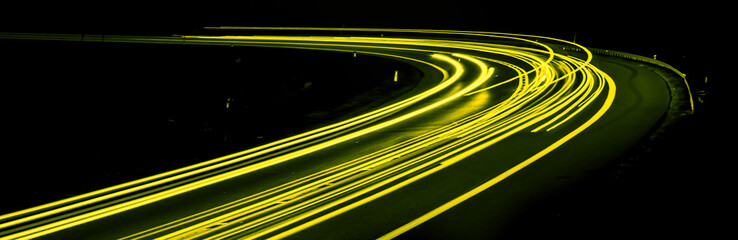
<point x="551" y="90"/>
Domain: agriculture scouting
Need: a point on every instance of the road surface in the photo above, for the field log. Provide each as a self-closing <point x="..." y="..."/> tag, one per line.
<point x="499" y="121"/>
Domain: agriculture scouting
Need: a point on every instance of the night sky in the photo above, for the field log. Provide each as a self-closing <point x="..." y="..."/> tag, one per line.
<point x="675" y="30"/>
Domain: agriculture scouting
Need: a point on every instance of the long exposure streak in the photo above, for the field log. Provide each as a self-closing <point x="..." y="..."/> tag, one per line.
<point x="487" y="90"/>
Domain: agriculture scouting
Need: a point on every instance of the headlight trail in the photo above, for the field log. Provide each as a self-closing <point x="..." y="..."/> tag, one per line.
<point x="548" y="90"/>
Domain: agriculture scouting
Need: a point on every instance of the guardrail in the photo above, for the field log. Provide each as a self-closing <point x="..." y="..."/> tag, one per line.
<point x="678" y="105"/>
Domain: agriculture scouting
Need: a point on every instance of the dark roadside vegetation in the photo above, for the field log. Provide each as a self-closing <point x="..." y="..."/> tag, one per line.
<point x="78" y="117"/>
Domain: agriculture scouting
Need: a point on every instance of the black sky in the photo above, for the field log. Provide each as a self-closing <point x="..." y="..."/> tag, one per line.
<point x="689" y="35"/>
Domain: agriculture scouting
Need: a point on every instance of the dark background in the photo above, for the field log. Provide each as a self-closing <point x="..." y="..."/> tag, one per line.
<point x="689" y="35"/>
<point x="694" y="37"/>
<point x="686" y="32"/>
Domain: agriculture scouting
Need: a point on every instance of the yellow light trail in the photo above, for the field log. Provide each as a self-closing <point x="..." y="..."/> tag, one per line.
<point x="199" y="229"/>
<point x="551" y="89"/>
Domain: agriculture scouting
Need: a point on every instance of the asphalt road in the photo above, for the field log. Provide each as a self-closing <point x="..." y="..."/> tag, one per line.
<point x="500" y="129"/>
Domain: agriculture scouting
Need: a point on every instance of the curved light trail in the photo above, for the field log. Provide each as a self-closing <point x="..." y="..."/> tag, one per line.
<point x="547" y="91"/>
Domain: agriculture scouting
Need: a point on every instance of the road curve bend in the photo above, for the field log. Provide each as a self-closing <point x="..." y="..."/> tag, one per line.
<point x="502" y="103"/>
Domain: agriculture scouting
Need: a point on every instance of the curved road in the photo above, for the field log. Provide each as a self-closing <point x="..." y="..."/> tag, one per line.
<point x="499" y="121"/>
